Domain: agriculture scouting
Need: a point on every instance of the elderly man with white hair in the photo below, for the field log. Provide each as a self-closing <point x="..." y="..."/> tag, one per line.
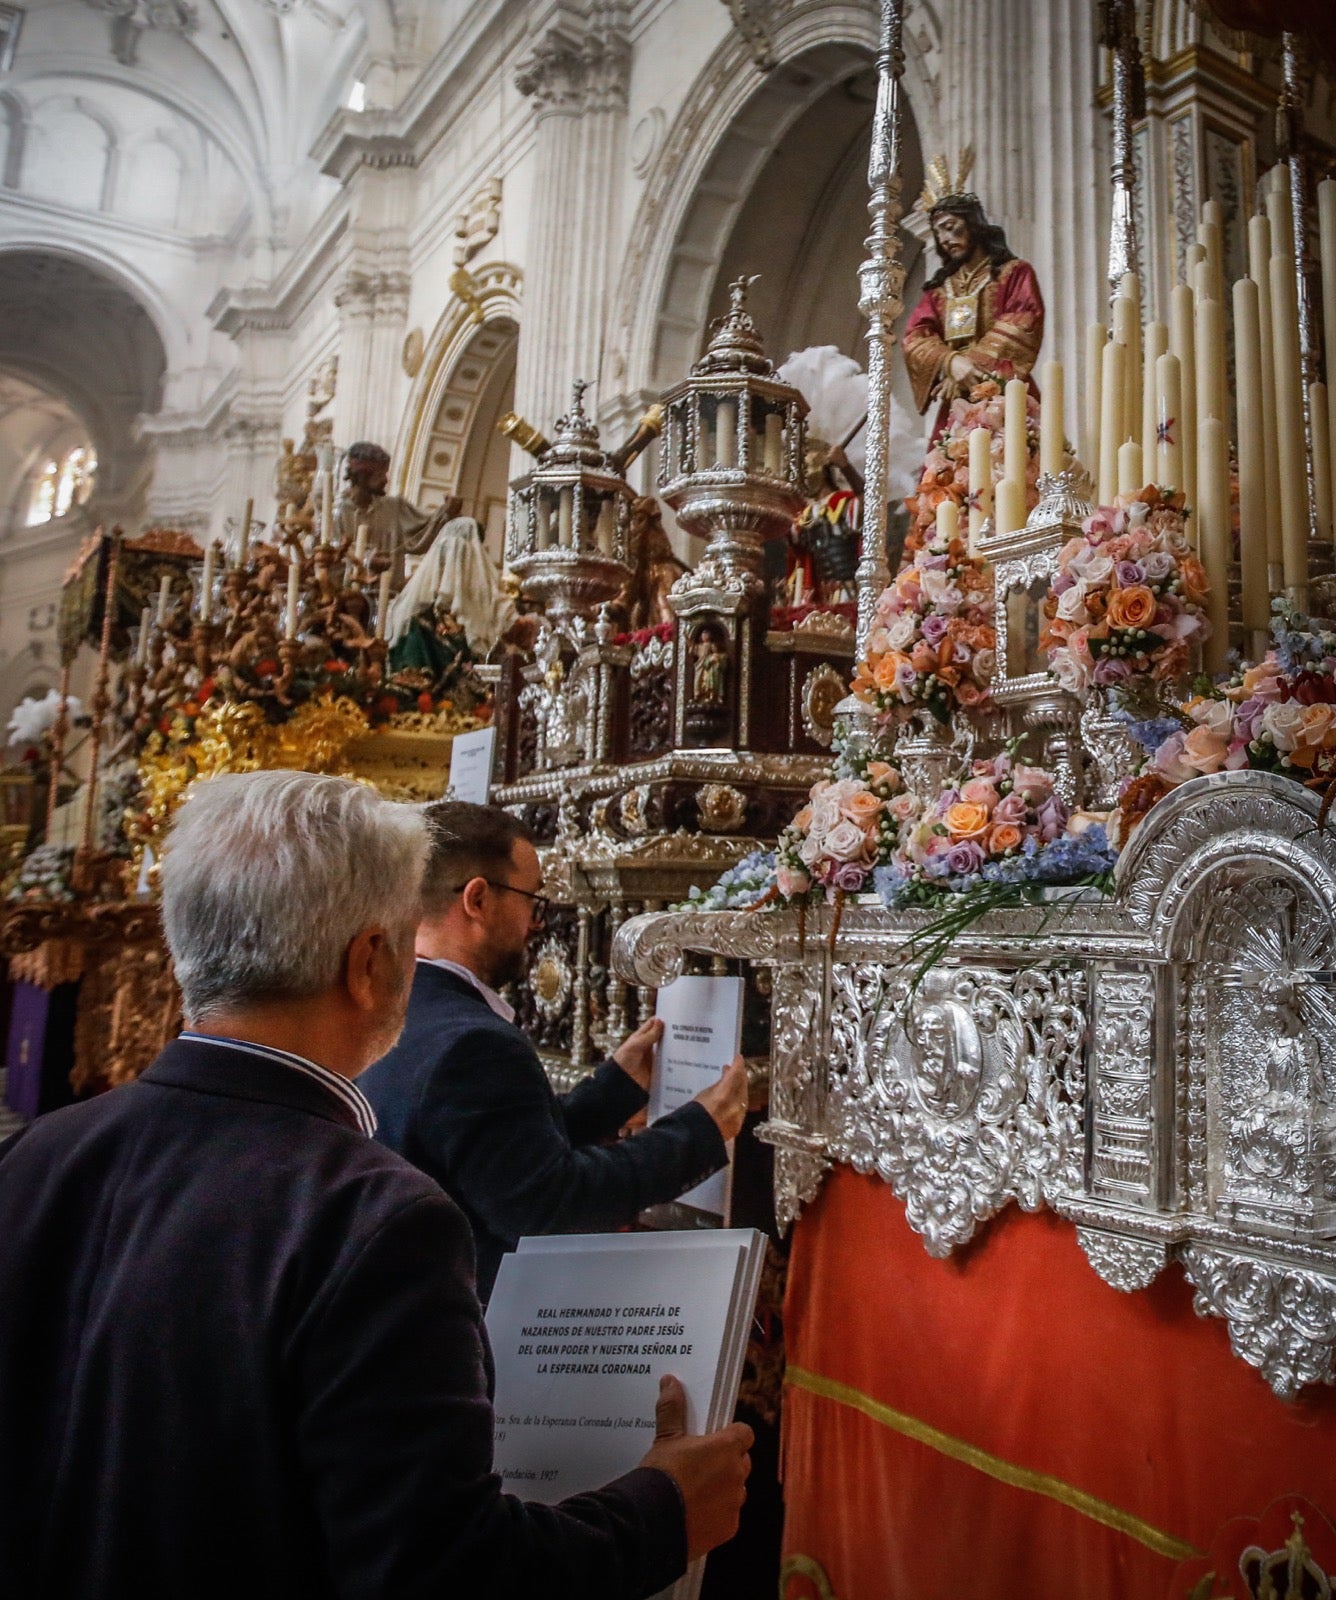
<point x="240" y="1350"/>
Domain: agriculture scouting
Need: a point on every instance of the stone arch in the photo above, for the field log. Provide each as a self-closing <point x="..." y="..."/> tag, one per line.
<point x="14" y="119"/>
<point x="448" y="443"/>
<point x="152" y="180"/>
<point x="709" y="164"/>
<point x="64" y="159"/>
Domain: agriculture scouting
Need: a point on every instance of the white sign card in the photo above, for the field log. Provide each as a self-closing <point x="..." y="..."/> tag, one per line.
<point x="702" y="1032"/>
<point x="583" y="1327"/>
<point x="471" y="766"/>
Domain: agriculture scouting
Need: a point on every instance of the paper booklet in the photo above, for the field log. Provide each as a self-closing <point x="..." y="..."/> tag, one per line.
<point x="582" y="1327"/>
<point x="702" y="1032"/>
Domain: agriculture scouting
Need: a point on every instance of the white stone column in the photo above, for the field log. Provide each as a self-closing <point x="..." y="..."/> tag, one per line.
<point x="576" y="75"/>
<point x="1018" y="83"/>
<point x="373" y="314"/>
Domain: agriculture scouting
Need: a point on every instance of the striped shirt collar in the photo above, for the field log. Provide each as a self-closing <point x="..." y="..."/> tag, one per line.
<point x="499" y="1006"/>
<point x="344" y="1088"/>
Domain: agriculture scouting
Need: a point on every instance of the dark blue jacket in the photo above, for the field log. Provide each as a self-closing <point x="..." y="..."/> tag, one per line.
<point x="464" y="1096"/>
<point x="241" y="1355"/>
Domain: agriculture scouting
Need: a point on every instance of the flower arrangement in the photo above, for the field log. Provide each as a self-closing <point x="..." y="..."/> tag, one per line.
<point x="1004" y="831"/>
<point x="1278" y="715"/>
<point x="44" y="874"/>
<point x="742" y="888"/>
<point x="946" y="472"/>
<point x="1129" y="599"/>
<point x="932" y="645"/>
<point x="850" y="825"/>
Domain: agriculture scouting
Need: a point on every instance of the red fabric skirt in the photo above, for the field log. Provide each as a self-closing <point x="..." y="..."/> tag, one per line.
<point x="1005" y="1424"/>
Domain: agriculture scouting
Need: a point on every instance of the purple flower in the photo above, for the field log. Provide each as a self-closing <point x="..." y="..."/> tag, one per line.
<point x="1052" y="818"/>
<point x="964" y="858"/>
<point x="1247" y="719"/>
<point x="1130" y="572"/>
<point x="934" y="628"/>
<point x="849" y="876"/>
<point x="1111" y="669"/>
<point x="1063" y="582"/>
<point x="927" y="563"/>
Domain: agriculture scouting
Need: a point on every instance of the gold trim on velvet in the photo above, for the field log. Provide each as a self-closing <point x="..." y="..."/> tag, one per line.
<point x="1078" y="1500"/>
<point x="795" y="1569"/>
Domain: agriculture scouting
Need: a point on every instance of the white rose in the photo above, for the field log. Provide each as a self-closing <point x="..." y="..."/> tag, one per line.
<point x="1282" y="721"/>
<point x="900" y="634"/>
<point x="985" y="665"/>
<point x="1070" y="673"/>
<point x="1217" y="715"/>
<point x="825" y="814"/>
<point x="811" y="849"/>
<point x="1137" y="513"/>
<point x="1090" y="566"/>
<point x="845" y="841"/>
<point x="878" y="642"/>
<point x="940" y="591"/>
<point x="1157" y="565"/>
<point x="1071" y="604"/>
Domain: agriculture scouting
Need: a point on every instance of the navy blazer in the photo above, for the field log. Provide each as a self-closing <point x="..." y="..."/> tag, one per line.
<point x="464" y="1096"/>
<point x="240" y="1354"/>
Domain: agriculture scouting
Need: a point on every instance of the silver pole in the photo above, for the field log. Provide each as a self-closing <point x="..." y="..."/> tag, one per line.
<point x="1119" y="28"/>
<point x="1290" y="128"/>
<point x="881" y="281"/>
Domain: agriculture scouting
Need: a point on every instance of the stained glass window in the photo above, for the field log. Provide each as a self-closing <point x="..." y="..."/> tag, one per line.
<point x="62" y="484"/>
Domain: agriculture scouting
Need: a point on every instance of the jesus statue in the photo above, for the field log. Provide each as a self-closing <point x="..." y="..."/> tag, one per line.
<point x="981" y="315"/>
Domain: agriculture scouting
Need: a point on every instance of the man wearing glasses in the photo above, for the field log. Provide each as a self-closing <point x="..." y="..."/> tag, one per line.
<point x="464" y="1096"/>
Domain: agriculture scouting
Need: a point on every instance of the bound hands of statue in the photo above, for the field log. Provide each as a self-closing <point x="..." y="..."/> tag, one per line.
<point x="963" y="370"/>
<point x="726" y="1101"/>
<point x="710" y="1469"/>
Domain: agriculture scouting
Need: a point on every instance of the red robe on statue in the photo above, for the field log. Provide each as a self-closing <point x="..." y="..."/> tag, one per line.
<point x="1003" y="341"/>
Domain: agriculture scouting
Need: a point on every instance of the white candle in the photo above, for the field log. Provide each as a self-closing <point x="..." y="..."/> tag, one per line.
<point x="1279" y="213"/>
<point x="1127" y="332"/>
<point x="607" y="522"/>
<point x="1110" y="416"/>
<point x="1182" y="341"/>
<point x="383" y="605"/>
<point x="1129" y="286"/>
<point x="1168" y="423"/>
<point x="1154" y="342"/>
<point x="543" y="517"/>
<point x="359" y="545"/>
<point x="1255" y="589"/>
<point x="1010" y="498"/>
<point x="206" y="584"/>
<point x="1131" y="477"/>
<point x="726" y="434"/>
<point x="294" y="590"/>
<point x="164" y="594"/>
<point x="1015" y="456"/>
<point x="1097" y="336"/>
<point x="1214" y="536"/>
<point x="565" y="516"/>
<point x="1259" y="270"/>
<point x="243" y="543"/>
<point x="774" y="441"/>
<point x="1317" y="410"/>
<point x="1192" y="259"/>
<point x="1052" y="445"/>
<point x="1289" y="428"/>
<point x="141" y="646"/>
<point x="981" y="481"/>
<point x="948" y="520"/>
<point x="1209" y="237"/>
<point x="1213" y="212"/>
<point x="1210" y="341"/>
<point x="1326" y="215"/>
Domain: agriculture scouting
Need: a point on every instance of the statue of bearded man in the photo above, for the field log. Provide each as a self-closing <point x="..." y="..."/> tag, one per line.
<point x="980" y="316"/>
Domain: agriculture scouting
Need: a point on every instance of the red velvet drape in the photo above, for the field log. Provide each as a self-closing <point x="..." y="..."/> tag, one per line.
<point x="1005" y="1424"/>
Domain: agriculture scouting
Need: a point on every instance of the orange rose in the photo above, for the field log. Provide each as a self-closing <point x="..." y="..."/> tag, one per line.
<point x="1003" y="837"/>
<point x="1193" y="575"/>
<point x="967" y="821"/>
<point x="883" y="673"/>
<point x="1133" y="607"/>
<point x="1096" y="605"/>
<point x="923" y="656"/>
<point x="949" y="675"/>
<point x="862" y="807"/>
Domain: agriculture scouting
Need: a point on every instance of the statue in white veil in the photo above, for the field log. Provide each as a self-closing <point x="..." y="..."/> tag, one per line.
<point x="457" y="575"/>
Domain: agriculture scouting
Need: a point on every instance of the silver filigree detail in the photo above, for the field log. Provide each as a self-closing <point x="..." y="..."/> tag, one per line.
<point x="962" y="1095"/>
<point x="1121" y="1260"/>
<point x="1281" y="1321"/>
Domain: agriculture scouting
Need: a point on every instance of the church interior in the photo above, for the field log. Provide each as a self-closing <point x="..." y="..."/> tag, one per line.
<point x="863" y="474"/>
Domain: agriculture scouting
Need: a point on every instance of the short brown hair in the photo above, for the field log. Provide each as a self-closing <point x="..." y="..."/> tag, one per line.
<point x="467" y="841"/>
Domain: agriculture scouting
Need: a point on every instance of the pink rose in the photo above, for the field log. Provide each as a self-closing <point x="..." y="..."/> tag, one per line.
<point x="904" y="807"/>
<point x="1168" y="760"/>
<point x="1032" y="783"/>
<point x="1204" y="750"/>
<point x="1010" y="808"/>
<point x="980" y="791"/>
<point x="791" y="883"/>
